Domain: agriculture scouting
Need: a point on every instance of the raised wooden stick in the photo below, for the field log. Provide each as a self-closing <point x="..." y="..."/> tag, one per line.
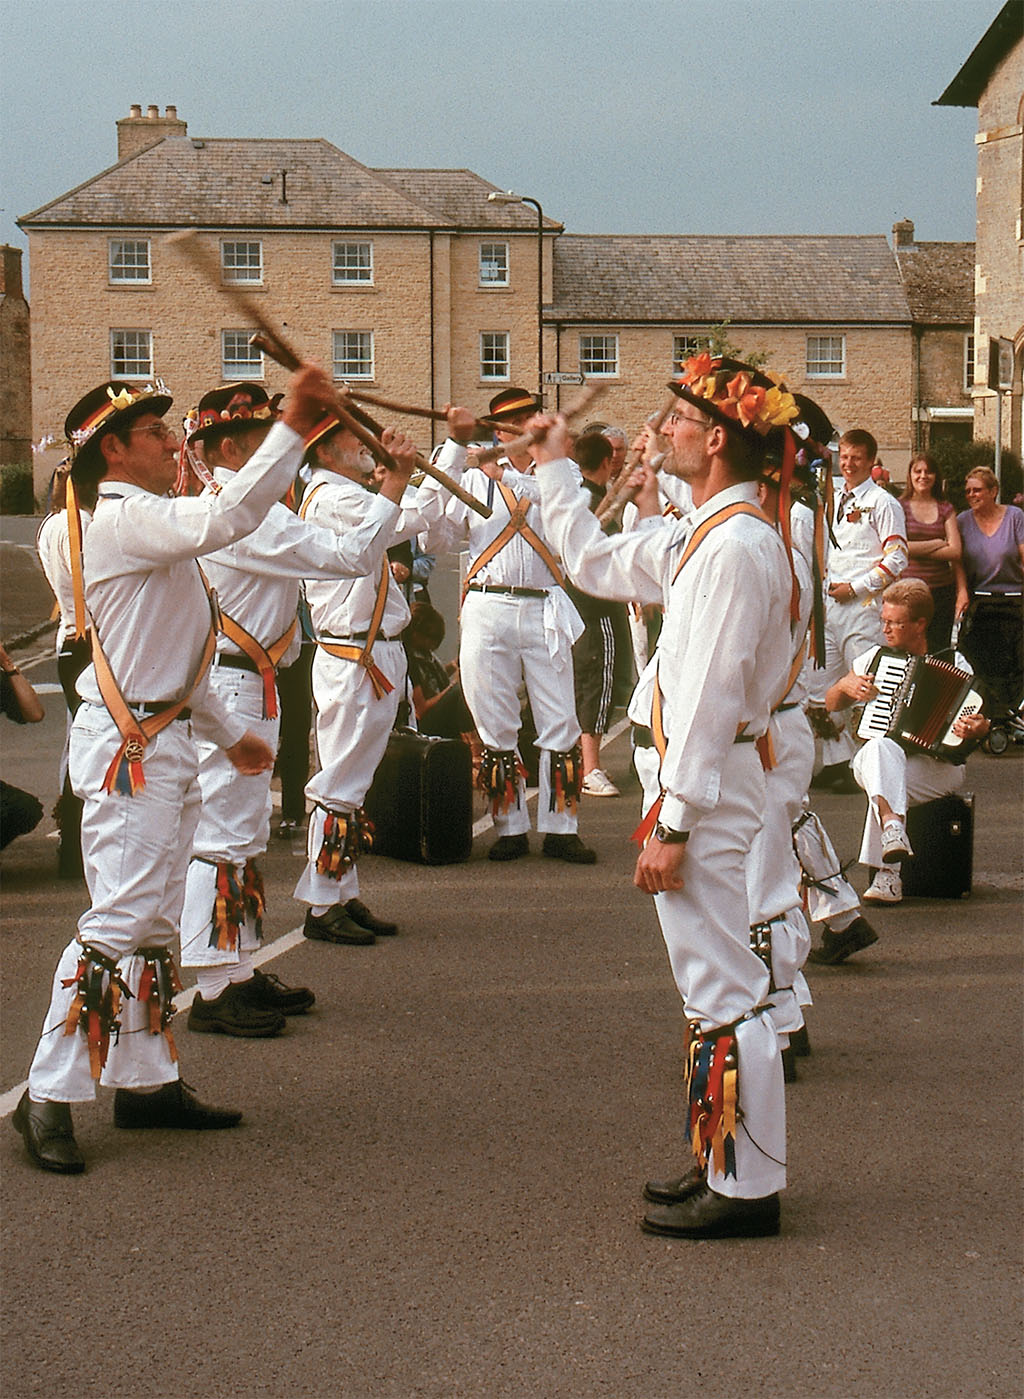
<point x="269" y="339"/>
<point x="409" y="409"/>
<point x="578" y="406"/>
<point x="618" y="494"/>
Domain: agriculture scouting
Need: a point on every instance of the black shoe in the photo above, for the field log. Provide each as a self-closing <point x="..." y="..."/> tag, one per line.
<point x="336" y="926"/>
<point x="233" y="1012"/>
<point x="789" y="1074"/>
<point x="569" y="848"/>
<point x="800" y="1042"/>
<point x="509" y="848"/>
<point x="286" y="830"/>
<point x="269" y="991"/>
<point x="48" y="1136"/>
<point x="172" y="1106"/>
<point x="836" y="947"/>
<point x="705" y="1215"/>
<point x="360" y="914"/>
<point x="673" y="1192"/>
<point x="836" y="777"/>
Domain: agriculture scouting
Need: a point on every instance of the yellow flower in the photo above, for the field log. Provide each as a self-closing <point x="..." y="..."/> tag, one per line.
<point x="124" y="399"/>
<point x="780" y="407"/>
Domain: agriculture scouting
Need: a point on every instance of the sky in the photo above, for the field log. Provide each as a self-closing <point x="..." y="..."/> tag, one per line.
<point x="620" y="116"/>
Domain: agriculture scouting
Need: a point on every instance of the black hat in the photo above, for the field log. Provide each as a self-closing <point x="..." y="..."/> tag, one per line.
<point x="331" y="424"/>
<point x="111" y="405"/>
<point x="736" y="395"/>
<point x="512" y="403"/>
<point x="231" y="408"/>
<point x="812" y="429"/>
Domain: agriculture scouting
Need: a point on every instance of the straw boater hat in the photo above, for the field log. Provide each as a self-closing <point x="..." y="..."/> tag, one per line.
<point x="114" y="404"/>
<point x="231" y="408"/>
<point x="512" y="403"/>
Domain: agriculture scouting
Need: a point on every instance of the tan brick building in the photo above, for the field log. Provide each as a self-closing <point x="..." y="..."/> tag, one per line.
<point x="415" y="285"/>
<point x="15" y="363"/>
<point x="992" y="79"/>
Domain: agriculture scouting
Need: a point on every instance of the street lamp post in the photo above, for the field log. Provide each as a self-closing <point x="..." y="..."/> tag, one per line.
<point x="508" y="197"/>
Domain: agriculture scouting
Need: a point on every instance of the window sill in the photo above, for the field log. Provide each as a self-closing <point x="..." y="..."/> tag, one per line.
<point x="494" y="286"/>
<point x="130" y="286"/>
<point x="354" y="286"/>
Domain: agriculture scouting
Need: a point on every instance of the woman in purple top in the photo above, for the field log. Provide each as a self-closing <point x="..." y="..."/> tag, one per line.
<point x="933" y="542"/>
<point x="993" y="556"/>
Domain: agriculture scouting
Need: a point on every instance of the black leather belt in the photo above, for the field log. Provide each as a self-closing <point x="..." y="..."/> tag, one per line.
<point x="509" y="592"/>
<point x="143" y="709"/>
<point x="361" y="636"/>
<point x="238" y="663"/>
<point x="785" y="708"/>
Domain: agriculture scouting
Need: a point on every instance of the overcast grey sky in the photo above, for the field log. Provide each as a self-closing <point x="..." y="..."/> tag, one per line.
<point x="660" y="116"/>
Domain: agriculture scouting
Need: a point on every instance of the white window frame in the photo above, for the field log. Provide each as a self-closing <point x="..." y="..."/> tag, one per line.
<point x="235" y="367"/>
<point x="493" y="260"/>
<point x="494" y="351"/>
<point x="128" y="263"/>
<point x="685" y="346"/>
<point x="347" y="273"/>
<point x="969" y="361"/>
<point x="587" y="356"/>
<point x="365" y="342"/>
<point x="119" y="353"/>
<point x="813" y="362"/>
<point x="248" y="271"/>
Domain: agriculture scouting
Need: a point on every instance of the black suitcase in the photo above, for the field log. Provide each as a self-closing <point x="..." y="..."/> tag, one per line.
<point x="941" y="836"/>
<point x="421" y="800"/>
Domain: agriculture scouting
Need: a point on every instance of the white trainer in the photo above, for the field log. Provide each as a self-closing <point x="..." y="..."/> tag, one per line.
<point x="599" y="784"/>
<point x="885" y="888"/>
<point x="895" y="845"/>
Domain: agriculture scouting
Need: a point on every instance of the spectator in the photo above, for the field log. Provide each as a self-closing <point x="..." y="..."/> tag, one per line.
<point x="20" y="812"/>
<point x="993" y="559"/>
<point x="437" y="697"/>
<point x="933" y="543"/>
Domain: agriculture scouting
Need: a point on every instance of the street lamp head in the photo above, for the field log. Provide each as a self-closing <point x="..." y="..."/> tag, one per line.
<point x="504" y="196"/>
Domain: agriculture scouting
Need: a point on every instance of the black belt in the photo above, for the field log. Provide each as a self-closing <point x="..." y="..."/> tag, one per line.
<point x="144" y="709"/>
<point x="361" y="636"/>
<point x="237" y="663"/>
<point x="509" y="592"/>
<point x="785" y="708"/>
<point x="644" y="738"/>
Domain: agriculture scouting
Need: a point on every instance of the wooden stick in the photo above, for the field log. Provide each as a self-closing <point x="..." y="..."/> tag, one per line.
<point x="527" y="439"/>
<point x="409" y="409"/>
<point x="272" y="342"/>
<point x="618" y="495"/>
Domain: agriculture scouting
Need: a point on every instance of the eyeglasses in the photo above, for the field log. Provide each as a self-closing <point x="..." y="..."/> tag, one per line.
<point x="674" y="418"/>
<point x="159" y="430"/>
<point x="977" y="490"/>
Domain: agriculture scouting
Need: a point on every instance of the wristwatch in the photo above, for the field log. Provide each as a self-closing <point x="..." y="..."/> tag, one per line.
<point x="668" y="836"/>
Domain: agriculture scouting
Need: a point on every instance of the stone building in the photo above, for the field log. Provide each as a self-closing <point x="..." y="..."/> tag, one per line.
<point x="15" y="362"/>
<point x="938" y="279"/>
<point x="417" y="285"/>
<point x="992" y="79"/>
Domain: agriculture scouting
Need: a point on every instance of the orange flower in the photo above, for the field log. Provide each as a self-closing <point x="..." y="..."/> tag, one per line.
<point x="696" y="368"/>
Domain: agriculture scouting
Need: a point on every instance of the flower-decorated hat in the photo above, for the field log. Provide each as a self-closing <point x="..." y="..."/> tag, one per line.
<point x="741" y="398"/>
<point x="512" y="403"/>
<point x="812" y="430"/>
<point x="231" y="408"/>
<point x="111" y="405"/>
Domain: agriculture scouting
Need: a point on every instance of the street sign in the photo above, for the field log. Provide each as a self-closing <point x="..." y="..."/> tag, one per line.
<point x="561" y="376"/>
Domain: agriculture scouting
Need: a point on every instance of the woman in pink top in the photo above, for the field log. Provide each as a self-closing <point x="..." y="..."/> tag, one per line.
<point x="933" y="541"/>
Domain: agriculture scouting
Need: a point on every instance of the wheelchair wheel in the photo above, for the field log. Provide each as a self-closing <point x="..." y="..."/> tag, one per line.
<point x="997" y="742"/>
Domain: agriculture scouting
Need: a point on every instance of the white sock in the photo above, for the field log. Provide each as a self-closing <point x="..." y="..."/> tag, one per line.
<point x="842" y="921"/>
<point x="243" y="971"/>
<point x="213" y="981"/>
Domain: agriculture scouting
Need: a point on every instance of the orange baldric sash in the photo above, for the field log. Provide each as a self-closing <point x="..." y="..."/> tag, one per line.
<point x="75" y="554"/>
<point x="265" y="659"/>
<point x="642" y="834"/>
<point x="347" y="651"/>
<point x="517" y="512"/>
<point x="125" y="773"/>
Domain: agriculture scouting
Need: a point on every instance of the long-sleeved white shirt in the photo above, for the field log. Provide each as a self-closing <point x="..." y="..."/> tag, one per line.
<point x="725" y="644"/>
<point x="870" y="551"/>
<point x="143" y="589"/>
<point x="257" y="578"/>
<point x="53" y="546"/>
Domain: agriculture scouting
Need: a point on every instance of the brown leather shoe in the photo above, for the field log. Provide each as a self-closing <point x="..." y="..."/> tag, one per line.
<point x="336" y="926"/>
<point x="48" y="1136"/>
<point x="672" y="1192"/>
<point x="705" y="1215"/>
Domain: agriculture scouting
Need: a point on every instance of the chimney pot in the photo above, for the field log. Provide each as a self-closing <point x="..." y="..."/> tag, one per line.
<point x="172" y="112"/>
<point x="152" y="112"/>
<point x="136" y="110"/>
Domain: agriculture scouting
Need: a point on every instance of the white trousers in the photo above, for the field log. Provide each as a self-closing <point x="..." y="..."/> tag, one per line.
<point x="234" y="824"/>
<point x="851" y="628"/>
<point x="136" y="851"/>
<point x="831" y="893"/>
<point x="706" y="927"/>
<point x="352" y="729"/>
<point x="904" y="780"/>
<point x="503" y="645"/>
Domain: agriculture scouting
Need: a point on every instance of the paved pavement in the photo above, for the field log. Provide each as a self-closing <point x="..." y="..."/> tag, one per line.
<point x="436" y="1188"/>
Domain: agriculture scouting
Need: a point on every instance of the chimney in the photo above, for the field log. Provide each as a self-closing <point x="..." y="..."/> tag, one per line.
<point x="135" y="132"/>
<point x="10" y="273"/>
<point x="903" y="234"/>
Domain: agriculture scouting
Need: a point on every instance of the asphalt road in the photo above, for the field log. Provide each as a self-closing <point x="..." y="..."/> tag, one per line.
<point x="435" y="1191"/>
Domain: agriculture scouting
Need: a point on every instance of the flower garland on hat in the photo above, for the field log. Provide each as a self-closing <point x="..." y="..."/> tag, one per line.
<point x="737" y="396"/>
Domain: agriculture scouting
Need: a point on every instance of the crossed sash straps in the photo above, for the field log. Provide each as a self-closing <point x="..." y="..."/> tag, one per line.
<point x="265" y="659"/>
<point x="517" y="512"/>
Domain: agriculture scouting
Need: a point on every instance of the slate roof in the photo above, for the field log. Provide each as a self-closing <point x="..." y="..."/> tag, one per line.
<point x="939" y="282"/>
<point x="218" y="183"/>
<point x="460" y="198"/>
<point x="690" y="279"/>
<point x="1002" y="35"/>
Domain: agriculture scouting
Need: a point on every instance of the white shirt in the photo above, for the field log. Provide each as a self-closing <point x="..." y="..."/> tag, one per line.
<point x="54" y="549"/>
<point x="257" y="578"/>
<point x="142" y="583"/>
<point x="724" y="648"/>
<point x="870" y="551"/>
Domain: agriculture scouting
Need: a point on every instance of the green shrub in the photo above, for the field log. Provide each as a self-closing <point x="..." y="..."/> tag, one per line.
<point x="16" y="497"/>
<point x="958" y="458"/>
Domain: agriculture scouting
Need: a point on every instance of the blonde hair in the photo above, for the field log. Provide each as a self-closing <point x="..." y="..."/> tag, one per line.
<point x="985" y="474"/>
<point x="913" y="594"/>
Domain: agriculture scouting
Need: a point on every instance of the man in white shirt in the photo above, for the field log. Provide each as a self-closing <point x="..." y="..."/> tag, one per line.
<point x="869" y="553"/>
<point x="133" y="758"/>
<point x="706" y="695"/>
<point x="257" y="581"/>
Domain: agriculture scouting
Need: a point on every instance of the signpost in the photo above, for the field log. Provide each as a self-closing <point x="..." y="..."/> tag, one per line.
<point x="561" y="376"/>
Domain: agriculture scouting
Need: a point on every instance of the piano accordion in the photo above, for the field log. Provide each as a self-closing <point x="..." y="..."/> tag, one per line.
<point x="920" y="699"/>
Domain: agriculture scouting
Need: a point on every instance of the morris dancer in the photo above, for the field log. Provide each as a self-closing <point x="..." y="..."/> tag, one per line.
<point x="133" y="757"/>
<point x="256" y="581"/>
<point x="707" y="694"/>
